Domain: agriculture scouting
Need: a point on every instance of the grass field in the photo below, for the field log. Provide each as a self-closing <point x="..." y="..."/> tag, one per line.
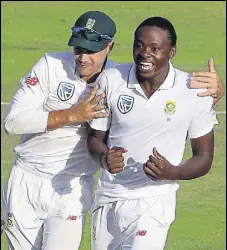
<point x="28" y="29"/>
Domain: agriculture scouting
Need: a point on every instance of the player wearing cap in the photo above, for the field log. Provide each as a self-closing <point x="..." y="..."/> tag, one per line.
<point x="49" y="190"/>
<point x="152" y="111"/>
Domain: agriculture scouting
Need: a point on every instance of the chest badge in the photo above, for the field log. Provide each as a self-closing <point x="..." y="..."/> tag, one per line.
<point x="170" y="108"/>
<point x="125" y="103"/>
<point x="65" y="91"/>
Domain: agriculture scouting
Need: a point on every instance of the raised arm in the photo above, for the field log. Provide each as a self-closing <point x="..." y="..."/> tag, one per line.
<point x="26" y="113"/>
<point x="82" y="111"/>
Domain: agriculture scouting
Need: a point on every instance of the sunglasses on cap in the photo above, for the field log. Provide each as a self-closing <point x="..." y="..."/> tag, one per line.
<point x="89" y="34"/>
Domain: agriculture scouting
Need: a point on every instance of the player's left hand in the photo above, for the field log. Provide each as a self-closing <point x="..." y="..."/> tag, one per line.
<point x="209" y="80"/>
<point x="157" y="167"/>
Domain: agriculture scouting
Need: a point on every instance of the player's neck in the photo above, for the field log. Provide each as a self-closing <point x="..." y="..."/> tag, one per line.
<point x="150" y="85"/>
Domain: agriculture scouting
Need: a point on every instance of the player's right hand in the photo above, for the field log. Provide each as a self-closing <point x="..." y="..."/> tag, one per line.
<point x="89" y="108"/>
<point x="115" y="159"/>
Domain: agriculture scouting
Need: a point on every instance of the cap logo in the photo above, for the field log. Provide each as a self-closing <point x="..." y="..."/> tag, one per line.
<point x="90" y="23"/>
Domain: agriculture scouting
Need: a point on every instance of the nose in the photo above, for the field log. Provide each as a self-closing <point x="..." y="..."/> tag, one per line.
<point x="146" y="52"/>
<point x="83" y="57"/>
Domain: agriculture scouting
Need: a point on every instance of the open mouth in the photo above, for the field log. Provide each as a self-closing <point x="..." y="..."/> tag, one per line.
<point x="145" y="66"/>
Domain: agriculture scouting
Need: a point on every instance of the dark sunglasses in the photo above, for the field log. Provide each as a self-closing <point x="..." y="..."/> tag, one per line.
<point x="89" y="34"/>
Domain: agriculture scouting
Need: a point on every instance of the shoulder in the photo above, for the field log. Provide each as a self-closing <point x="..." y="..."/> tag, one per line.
<point x="49" y="59"/>
<point x="112" y="78"/>
<point x="119" y="71"/>
<point x="183" y="84"/>
<point x="182" y="80"/>
<point x="59" y="57"/>
<point x="110" y="64"/>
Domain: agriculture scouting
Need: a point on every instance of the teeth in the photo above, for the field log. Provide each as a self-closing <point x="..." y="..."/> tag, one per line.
<point x="146" y="64"/>
<point x="146" y="67"/>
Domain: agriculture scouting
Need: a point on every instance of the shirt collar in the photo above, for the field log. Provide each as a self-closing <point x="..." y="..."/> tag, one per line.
<point x="168" y="83"/>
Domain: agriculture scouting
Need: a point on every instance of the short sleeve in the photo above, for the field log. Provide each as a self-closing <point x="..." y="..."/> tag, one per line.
<point x="202" y="122"/>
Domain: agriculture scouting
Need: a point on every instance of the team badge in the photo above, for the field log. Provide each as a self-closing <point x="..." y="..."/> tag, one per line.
<point x="90" y="23"/>
<point x="125" y="103"/>
<point x="65" y="91"/>
<point x="9" y="222"/>
<point x="170" y="107"/>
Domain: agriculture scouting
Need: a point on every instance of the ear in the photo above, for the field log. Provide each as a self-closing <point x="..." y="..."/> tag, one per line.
<point x="110" y="47"/>
<point x="173" y="52"/>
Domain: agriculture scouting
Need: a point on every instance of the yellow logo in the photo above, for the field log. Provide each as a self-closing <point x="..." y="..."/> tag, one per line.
<point x="9" y="222"/>
<point x="90" y="23"/>
<point x="170" y="107"/>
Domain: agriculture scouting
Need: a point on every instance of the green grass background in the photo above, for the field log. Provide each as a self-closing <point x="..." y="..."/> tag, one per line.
<point x="29" y="29"/>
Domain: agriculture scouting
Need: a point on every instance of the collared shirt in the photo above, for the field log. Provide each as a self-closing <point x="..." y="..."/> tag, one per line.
<point x="50" y="85"/>
<point x="139" y="124"/>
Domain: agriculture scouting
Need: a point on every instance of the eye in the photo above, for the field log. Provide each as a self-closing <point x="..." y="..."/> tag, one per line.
<point x="79" y="50"/>
<point x="137" y="45"/>
<point x="155" y="49"/>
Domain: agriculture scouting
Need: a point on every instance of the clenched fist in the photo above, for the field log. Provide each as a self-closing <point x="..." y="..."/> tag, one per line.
<point x="157" y="167"/>
<point x="115" y="159"/>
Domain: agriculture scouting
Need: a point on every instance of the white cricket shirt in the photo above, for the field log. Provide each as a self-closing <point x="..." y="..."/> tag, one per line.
<point x="139" y="124"/>
<point x="50" y="85"/>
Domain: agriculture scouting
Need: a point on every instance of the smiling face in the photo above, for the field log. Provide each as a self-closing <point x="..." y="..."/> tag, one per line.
<point x="89" y="63"/>
<point x="151" y="51"/>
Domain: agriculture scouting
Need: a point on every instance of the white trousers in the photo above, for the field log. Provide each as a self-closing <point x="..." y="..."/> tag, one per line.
<point x="43" y="213"/>
<point x="140" y="224"/>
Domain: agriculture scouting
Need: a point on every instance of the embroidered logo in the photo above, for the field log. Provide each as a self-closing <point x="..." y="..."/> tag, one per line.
<point x="125" y="103"/>
<point x="72" y="217"/>
<point x="170" y="107"/>
<point x="90" y="23"/>
<point x="9" y="222"/>
<point x="141" y="233"/>
<point x="65" y="91"/>
<point x="32" y="81"/>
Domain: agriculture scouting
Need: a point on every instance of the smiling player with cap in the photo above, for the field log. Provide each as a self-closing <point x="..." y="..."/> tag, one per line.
<point x="49" y="190"/>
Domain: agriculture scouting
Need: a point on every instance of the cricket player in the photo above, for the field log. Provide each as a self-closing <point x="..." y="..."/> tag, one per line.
<point x="49" y="190"/>
<point x="152" y="111"/>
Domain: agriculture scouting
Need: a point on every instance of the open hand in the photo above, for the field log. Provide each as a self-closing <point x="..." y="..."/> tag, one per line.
<point x="209" y="80"/>
<point x="89" y="108"/>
